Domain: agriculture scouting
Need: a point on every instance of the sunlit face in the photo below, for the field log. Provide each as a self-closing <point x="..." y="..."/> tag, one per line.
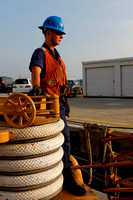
<point x="56" y="37"/>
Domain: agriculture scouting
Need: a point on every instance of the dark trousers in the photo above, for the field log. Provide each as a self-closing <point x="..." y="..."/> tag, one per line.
<point x="66" y="133"/>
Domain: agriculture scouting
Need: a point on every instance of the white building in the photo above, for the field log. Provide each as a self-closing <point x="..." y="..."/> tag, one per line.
<point x="113" y="77"/>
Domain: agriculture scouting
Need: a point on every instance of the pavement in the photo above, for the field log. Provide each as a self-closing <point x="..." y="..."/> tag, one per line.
<point x="114" y="112"/>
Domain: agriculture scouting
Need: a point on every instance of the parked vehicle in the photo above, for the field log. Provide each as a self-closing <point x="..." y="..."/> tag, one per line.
<point x="80" y="82"/>
<point x="22" y="85"/>
<point x="75" y="88"/>
<point x="6" y="84"/>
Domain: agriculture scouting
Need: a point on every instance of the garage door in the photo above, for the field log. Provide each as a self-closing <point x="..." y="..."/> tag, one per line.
<point x="100" y="81"/>
<point x="127" y="80"/>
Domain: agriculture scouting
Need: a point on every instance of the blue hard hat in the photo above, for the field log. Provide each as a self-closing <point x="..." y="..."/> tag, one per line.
<point x="53" y="22"/>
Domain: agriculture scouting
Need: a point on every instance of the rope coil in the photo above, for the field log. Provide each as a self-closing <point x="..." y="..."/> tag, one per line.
<point x="34" y="168"/>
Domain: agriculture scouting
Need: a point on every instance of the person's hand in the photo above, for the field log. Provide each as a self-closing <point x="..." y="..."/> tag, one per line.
<point x="63" y="90"/>
<point x="67" y="110"/>
<point x="67" y="107"/>
<point x="36" y="91"/>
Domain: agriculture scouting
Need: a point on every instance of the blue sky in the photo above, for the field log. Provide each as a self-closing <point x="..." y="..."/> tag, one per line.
<point x="95" y="30"/>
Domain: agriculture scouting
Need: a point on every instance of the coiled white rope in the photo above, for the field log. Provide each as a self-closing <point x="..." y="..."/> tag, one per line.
<point x="33" y="132"/>
<point x="30" y="165"/>
<point x="33" y="148"/>
<point x="44" y="193"/>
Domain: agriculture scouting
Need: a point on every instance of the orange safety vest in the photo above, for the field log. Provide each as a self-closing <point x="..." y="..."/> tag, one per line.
<point x="55" y="74"/>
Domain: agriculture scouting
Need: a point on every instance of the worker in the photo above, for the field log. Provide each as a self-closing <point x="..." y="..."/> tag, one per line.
<point x="48" y="75"/>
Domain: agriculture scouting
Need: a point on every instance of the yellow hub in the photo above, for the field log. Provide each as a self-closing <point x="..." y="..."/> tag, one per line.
<point x="20" y="110"/>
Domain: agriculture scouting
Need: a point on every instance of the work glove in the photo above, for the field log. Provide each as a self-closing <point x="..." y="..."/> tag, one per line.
<point x="63" y="90"/>
<point x="36" y="91"/>
<point x="67" y="108"/>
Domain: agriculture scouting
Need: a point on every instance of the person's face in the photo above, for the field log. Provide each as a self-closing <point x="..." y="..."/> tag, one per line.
<point x="56" y="37"/>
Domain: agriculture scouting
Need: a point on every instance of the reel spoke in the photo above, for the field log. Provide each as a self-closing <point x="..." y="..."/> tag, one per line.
<point x="19" y="110"/>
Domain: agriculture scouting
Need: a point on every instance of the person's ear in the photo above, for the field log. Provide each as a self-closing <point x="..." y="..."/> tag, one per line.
<point x="49" y="32"/>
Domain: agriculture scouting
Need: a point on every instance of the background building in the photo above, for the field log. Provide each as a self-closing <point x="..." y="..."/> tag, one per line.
<point x="113" y="77"/>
